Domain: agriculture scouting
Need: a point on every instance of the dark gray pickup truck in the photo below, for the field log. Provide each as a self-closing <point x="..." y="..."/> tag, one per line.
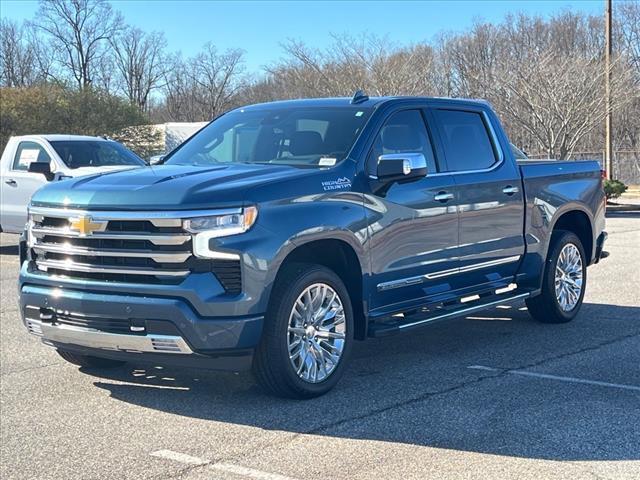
<point x="281" y="233"/>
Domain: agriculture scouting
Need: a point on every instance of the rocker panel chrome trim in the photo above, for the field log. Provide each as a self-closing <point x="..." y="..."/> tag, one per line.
<point x="404" y="282"/>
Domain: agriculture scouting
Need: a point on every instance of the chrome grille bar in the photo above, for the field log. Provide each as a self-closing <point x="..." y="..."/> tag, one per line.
<point x="158" y="256"/>
<point x="156" y="239"/>
<point x="157" y="218"/>
<point x="70" y="266"/>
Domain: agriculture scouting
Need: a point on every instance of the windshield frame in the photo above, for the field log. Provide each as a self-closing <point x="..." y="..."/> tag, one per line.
<point x="368" y="113"/>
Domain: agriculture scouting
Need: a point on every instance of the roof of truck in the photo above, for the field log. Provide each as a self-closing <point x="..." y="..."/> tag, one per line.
<point x="346" y="101"/>
<point x="62" y="138"/>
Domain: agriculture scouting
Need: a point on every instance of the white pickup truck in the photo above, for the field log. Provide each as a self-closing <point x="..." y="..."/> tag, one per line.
<point x="29" y="162"/>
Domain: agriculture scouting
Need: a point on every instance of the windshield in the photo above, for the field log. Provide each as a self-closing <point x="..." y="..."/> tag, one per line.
<point x="94" y="153"/>
<point x="305" y="137"/>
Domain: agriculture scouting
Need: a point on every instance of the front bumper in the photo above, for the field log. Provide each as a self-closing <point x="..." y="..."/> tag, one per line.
<point x="162" y="330"/>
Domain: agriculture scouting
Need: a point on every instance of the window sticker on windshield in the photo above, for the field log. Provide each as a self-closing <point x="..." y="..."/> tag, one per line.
<point x="327" y="162"/>
<point x="359" y="114"/>
<point x="28" y="155"/>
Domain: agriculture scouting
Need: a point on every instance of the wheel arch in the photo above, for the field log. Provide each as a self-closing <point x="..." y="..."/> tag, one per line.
<point x="339" y="256"/>
<point x="577" y="221"/>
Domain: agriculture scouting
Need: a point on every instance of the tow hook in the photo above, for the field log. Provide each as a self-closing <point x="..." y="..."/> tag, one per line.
<point x="47" y="315"/>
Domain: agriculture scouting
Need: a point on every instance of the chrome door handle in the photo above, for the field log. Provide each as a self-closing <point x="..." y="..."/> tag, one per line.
<point x="11" y="182"/>
<point x="443" y="197"/>
<point x="509" y="190"/>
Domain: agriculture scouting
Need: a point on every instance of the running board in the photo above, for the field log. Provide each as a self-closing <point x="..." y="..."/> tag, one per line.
<point x="443" y="313"/>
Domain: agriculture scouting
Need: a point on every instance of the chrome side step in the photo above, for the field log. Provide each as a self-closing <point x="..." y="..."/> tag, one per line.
<point x="393" y="326"/>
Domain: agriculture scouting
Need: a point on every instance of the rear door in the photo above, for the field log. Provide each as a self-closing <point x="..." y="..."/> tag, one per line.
<point x="488" y="193"/>
<point x="19" y="184"/>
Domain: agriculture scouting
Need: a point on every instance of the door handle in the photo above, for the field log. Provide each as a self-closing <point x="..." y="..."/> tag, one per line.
<point x="11" y="182"/>
<point x="509" y="190"/>
<point x="443" y="196"/>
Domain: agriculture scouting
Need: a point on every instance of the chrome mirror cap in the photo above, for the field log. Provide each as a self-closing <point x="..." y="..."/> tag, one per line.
<point x="401" y="166"/>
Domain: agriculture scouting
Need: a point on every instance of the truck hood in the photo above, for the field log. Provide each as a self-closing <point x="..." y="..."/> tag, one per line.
<point x="163" y="187"/>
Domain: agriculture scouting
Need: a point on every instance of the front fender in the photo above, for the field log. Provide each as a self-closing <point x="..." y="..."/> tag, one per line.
<point x="284" y="225"/>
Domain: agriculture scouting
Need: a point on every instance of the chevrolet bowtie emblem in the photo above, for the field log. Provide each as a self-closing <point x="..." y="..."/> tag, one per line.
<point x="86" y="226"/>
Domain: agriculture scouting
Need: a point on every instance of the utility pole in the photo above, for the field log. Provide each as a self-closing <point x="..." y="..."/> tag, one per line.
<point x="608" y="160"/>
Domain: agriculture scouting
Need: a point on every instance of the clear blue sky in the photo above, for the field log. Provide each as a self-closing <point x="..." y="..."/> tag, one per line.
<point x="260" y="27"/>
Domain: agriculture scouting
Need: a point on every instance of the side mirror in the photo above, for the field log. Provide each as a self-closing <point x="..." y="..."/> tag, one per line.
<point x="401" y="167"/>
<point x="43" y="168"/>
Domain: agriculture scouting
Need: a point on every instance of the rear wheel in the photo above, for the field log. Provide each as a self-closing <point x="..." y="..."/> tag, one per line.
<point x="308" y="332"/>
<point x="88" y="361"/>
<point x="564" y="281"/>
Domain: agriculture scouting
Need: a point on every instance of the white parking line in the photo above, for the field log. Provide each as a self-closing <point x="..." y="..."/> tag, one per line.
<point x="179" y="457"/>
<point x="558" y="378"/>
<point x="221" y="467"/>
<point x="248" y="472"/>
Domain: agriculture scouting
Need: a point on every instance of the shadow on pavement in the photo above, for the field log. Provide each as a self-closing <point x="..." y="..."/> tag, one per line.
<point x="9" y="250"/>
<point x="417" y="389"/>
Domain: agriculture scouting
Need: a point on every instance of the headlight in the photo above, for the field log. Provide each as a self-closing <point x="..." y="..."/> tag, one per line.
<point x="222" y="224"/>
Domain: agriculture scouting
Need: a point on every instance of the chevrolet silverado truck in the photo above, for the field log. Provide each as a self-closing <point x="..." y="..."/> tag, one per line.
<point x="283" y="232"/>
<point x="30" y="161"/>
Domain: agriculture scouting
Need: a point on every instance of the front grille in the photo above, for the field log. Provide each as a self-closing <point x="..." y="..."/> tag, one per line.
<point x="117" y="247"/>
<point x="103" y="324"/>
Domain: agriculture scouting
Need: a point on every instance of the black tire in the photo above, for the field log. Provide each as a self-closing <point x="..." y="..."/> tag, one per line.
<point x="271" y="364"/>
<point x="87" y="361"/>
<point x="545" y="307"/>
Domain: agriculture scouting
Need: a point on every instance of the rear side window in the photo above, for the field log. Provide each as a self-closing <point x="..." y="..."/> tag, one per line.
<point x="28" y="152"/>
<point x="467" y="145"/>
<point x="403" y="132"/>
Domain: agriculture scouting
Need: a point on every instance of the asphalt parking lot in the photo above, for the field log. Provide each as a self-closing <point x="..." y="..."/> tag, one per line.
<point x="494" y="395"/>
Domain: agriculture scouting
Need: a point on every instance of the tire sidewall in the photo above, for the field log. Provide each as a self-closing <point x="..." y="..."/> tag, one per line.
<point x="561" y="239"/>
<point x="306" y="275"/>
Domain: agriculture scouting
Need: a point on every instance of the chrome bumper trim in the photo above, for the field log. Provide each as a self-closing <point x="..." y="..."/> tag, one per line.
<point x="108" y="341"/>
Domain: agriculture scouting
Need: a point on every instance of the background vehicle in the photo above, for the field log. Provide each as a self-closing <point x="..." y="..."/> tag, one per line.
<point x="65" y="155"/>
<point x="282" y="232"/>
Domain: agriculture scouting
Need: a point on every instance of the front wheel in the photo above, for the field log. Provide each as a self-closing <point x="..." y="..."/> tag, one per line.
<point x="308" y="333"/>
<point x="564" y="282"/>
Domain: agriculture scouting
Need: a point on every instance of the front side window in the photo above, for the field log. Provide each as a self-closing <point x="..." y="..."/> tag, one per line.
<point x="466" y="141"/>
<point x="303" y="137"/>
<point x="94" y="153"/>
<point x="28" y="152"/>
<point x="403" y="132"/>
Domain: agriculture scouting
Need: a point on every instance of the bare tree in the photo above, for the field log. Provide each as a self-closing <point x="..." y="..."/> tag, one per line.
<point x="140" y="61"/>
<point x="79" y="31"/>
<point x="349" y="64"/>
<point x="217" y="78"/>
<point x="205" y="86"/>
<point x="17" y="56"/>
<point x="558" y="100"/>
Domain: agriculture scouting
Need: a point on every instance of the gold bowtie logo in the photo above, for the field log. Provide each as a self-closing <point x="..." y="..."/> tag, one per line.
<point x="85" y="225"/>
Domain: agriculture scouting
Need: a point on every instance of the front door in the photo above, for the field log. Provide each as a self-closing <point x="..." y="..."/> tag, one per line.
<point x="412" y="227"/>
<point x="19" y="184"/>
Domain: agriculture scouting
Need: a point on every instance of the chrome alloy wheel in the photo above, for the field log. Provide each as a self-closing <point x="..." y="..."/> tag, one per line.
<point x="568" y="277"/>
<point x="316" y="333"/>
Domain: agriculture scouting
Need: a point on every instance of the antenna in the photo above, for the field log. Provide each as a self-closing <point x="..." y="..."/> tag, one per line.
<point x="359" y="97"/>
